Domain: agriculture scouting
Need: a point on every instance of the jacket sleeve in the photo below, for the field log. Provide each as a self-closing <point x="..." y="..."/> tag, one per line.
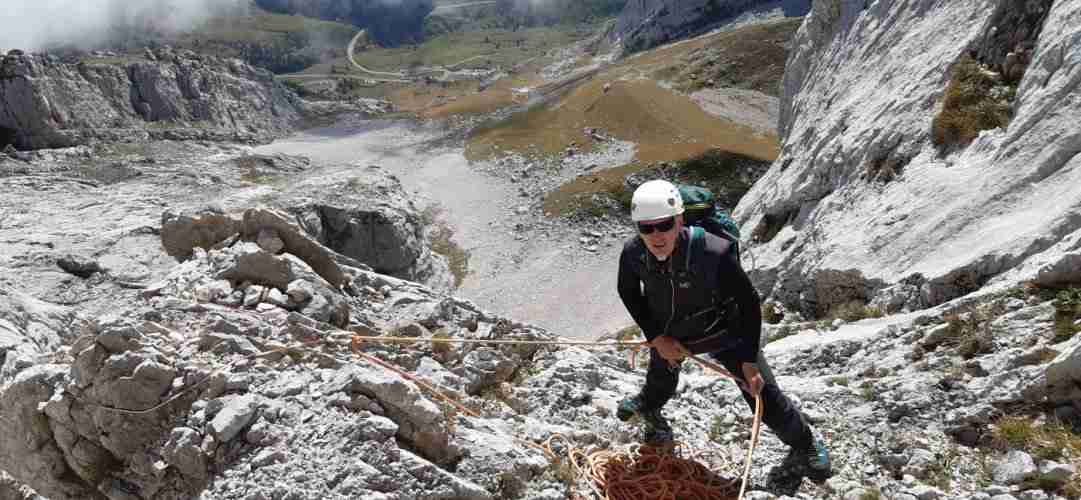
<point x="746" y="326"/>
<point x="629" y="285"/>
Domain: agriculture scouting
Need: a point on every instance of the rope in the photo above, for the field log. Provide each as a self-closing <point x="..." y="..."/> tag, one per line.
<point x="447" y="340"/>
<point x="754" y="443"/>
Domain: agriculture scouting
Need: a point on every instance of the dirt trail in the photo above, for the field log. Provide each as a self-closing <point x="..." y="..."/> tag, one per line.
<point x="543" y="278"/>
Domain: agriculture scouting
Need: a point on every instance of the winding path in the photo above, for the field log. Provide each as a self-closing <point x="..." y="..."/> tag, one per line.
<point x="460" y="5"/>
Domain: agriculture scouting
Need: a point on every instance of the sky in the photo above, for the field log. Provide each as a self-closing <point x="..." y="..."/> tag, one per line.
<point x="34" y="25"/>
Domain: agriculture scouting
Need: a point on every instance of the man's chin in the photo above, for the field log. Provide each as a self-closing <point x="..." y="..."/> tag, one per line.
<point x="659" y="253"/>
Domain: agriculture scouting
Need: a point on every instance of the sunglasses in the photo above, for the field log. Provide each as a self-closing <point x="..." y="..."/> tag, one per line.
<point x="663" y="226"/>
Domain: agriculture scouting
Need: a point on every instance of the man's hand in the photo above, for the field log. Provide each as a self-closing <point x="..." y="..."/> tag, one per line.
<point x="753" y="378"/>
<point x="669" y="348"/>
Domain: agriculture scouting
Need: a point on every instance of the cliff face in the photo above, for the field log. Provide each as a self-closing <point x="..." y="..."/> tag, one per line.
<point x="47" y="103"/>
<point x="644" y="24"/>
<point x="861" y="90"/>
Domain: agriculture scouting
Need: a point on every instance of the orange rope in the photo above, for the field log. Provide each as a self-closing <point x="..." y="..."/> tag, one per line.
<point x="648" y="473"/>
<point x="643" y="473"/>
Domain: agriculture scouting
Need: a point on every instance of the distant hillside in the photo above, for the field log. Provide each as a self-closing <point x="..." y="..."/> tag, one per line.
<point x="645" y="24"/>
<point x="516" y="14"/>
<point x="390" y="23"/>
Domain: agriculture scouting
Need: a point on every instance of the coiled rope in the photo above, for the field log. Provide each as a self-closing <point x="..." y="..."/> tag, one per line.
<point x="645" y="472"/>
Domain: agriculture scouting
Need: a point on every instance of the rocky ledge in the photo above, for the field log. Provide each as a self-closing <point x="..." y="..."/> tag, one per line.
<point x="166" y="94"/>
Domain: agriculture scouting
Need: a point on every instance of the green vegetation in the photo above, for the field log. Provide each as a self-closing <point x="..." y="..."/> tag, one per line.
<point x="771" y="314"/>
<point x="443" y="244"/>
<point x="1067" y="313"/>
<point x="752" y="58"/>
<point x="969" y="332"/>
<point x="871" y="494"/>
<point x="784" y="331"/>
<point x="854" y="310"/>
<point x="840" y="380"/>
<point x="970" y="105"/>
<point x="522" y="14"/>
<point x="485" y="48"/>
<point x="1049" y="441"/>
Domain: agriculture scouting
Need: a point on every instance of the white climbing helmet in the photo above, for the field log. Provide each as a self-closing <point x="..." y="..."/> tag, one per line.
<point x="655" y="200"/>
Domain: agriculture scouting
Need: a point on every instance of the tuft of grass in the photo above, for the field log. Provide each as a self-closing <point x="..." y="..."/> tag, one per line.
<point x="854" y="310"/>
<point x="784" y="331"/>
<point x="627" y="333"/>
<point x="442" y="241"/>
<point x="771" y="314"/>
<point x="838" y="380"/>
<point x="871" y="494"/>
<point x="868" y="391"/>
<point x="1047" y="441"/>
<point x="970" y="333"/>
<point x="969" y="106"/>
<point x="1067" y="312"/>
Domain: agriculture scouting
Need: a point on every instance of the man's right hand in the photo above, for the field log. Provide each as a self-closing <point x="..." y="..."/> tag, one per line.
<point x="669" y="348"/>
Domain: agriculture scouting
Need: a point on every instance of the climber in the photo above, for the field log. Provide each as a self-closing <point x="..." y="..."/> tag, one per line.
<point x="689" y="295"/>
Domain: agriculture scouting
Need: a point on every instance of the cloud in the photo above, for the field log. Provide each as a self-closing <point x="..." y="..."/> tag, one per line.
<point x="42" y="24"/>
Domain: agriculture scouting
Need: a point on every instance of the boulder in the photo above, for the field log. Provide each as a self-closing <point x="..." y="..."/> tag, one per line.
<point x="1063" y="375"/>
<point x="420" y="420"/>
<point x="237" y="414"/>
<point x="79" y="266"/>
<point x="1014" y="468"/>
<point x="294" y="241"/>
<point x="30" y="329"/>
<point x="185" y="231"/>
<point x="1063" y="271"/>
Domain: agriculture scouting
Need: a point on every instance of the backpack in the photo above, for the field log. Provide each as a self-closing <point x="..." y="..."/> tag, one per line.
<point x="700" y="210"/>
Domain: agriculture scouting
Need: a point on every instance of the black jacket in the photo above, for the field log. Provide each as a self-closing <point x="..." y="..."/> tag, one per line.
<point x="706" y="302"/>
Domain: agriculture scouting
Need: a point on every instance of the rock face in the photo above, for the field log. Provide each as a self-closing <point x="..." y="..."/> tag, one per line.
<point x="860" y="91"/>
<point x="372" y="219"/>
<point x="644" y="24"/>
<point x="30" y="328"/>
<point x="46" y="103"/>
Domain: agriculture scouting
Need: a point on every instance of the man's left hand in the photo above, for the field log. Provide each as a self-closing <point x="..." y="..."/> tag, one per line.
<point x="753" y="378"/>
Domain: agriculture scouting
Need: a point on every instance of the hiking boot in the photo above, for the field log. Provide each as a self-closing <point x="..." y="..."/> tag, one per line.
<point x="629" y="408"/>
<point x="656" y="428"/>
<point x="815" y="460"/>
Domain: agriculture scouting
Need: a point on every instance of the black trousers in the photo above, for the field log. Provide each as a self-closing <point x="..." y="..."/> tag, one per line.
<point x="778" y="412"/>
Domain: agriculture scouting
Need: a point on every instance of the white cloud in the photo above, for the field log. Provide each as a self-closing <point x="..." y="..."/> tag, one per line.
<point x="40" y="24"/>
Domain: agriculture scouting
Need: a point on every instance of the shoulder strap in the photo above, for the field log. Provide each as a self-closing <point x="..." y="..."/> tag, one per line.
<point x="694" y="245"/>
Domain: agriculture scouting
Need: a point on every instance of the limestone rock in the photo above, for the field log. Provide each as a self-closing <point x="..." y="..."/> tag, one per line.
<point x="1015" y="467"/>
<point x="815" y="211"/>
<point x="237" y="413"/>
<point x="79" y="266"/>
<point x="182" y="232"/>
<point x="183" y="451"/>
<point x="295" y="241"/>
<point x="420" y="420"/>
<point x="52" y="104"/>
<point x="12" y="489"/>
<point x="1065" y="270"/>
<point x="269" y="241"/>
<point x="483" y="368"/>
<point x="1063" y="375"/>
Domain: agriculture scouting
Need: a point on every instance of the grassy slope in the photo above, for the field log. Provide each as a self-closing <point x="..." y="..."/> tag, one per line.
<point x="665" y="123"/>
